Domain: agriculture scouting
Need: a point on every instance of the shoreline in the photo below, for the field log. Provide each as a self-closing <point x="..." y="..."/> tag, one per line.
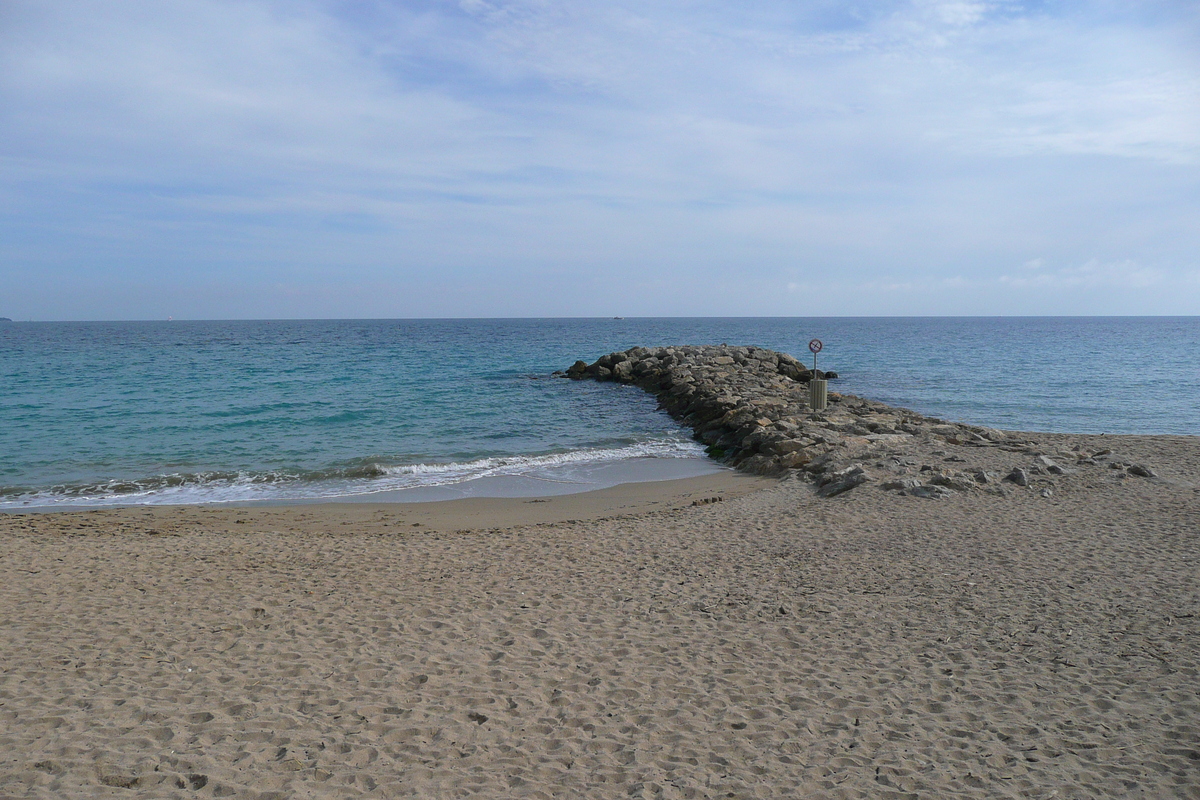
<point x="451" y="514"/>
<point x="458" y="507"/>
<point x="563" y="480"/>
<point x="633" y="486"/>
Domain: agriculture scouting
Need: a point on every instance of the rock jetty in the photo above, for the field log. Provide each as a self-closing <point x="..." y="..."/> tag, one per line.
<point x="749" y="405"/>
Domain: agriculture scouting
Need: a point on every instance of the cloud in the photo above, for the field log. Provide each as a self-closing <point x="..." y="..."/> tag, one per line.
<point x="905" y="142"/>
<point x="1124" y="274"/>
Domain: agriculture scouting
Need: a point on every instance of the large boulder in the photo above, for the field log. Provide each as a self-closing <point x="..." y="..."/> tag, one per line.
<point x="795" y="370"/>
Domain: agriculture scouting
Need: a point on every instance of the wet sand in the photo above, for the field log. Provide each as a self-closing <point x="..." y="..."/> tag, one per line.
<point x="717" y="637"/>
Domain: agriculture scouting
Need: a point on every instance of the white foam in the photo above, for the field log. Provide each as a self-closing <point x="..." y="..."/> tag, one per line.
<point x="255" y="487"/>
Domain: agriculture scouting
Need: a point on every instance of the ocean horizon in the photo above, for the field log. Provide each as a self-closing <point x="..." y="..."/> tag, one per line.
<point x="96" y="414"/>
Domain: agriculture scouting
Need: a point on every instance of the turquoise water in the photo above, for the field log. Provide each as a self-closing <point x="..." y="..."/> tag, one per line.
<point x="188" y="412"/>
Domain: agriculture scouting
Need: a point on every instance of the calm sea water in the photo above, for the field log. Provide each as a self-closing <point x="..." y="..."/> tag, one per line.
<point x="188" y="412"/>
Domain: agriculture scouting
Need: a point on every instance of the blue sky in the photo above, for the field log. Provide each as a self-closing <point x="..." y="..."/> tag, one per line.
<point x="204" y="159"/>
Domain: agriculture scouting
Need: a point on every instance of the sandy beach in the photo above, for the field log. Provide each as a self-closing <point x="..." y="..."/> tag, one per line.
<point x="717" y="637"/>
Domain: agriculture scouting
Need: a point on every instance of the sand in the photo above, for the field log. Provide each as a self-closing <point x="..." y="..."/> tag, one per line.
<point x="722" y="637"/>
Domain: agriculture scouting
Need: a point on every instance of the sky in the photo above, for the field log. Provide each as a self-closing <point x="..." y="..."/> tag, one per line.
<point x="206" y="159"/>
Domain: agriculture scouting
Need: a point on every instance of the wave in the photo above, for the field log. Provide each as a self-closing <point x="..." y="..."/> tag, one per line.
<point x="350" y="479"/>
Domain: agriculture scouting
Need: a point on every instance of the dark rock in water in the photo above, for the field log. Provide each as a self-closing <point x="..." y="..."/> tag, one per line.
<point x="577" y="370"/>
<point x="830" y="375"/>
<point x="623" y="371"/>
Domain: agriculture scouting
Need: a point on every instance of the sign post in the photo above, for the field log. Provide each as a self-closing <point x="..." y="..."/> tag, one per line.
<point x="815" y="345"/>
<point x="818" y="389"/>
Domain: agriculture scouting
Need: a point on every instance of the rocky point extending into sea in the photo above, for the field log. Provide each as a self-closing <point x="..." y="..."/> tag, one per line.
<point x="749" y="405"/>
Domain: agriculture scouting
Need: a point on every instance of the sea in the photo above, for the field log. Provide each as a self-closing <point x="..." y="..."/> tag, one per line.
<point x="96" y="414"/>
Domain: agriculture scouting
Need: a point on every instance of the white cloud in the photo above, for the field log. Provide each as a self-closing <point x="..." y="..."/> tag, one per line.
<point x="1122" y="274"/>
<point x="1125" y="274"/>
<point x="954" y="12"/>
<point x="906" y="143"/>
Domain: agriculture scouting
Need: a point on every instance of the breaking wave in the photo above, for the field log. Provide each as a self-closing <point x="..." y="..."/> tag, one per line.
<point x="361" y="477"/>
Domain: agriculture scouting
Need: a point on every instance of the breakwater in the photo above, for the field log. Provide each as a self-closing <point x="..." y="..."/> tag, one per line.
<point x="749" y="405"/>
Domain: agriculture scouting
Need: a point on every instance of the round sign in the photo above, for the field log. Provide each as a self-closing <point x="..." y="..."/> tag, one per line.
<point x="815" y="345"/>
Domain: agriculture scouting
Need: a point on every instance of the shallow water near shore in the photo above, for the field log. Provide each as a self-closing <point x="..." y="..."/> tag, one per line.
<point x="95" y="414"/>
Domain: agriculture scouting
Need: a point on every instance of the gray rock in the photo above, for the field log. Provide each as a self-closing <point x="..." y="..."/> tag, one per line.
<point x="842" y="480"/>
<point x="957" y="481"/>
<point x="930" y="492"/>
<point x="902" y="484"/>
<point x="1142" y="471"/>
<point x="794" y="372"/>
<point x="791" y="445"/>
<point x="762" y="464"/>
<point x="1052" y="466"/>
<point x="794" y="460"/>
<point x="1018" y="476"/>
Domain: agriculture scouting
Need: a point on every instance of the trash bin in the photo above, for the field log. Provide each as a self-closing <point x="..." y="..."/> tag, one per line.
<point x="818" y="394"/>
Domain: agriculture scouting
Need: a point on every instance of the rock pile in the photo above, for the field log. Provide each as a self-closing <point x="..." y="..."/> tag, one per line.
<point x="749" y="405"/>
